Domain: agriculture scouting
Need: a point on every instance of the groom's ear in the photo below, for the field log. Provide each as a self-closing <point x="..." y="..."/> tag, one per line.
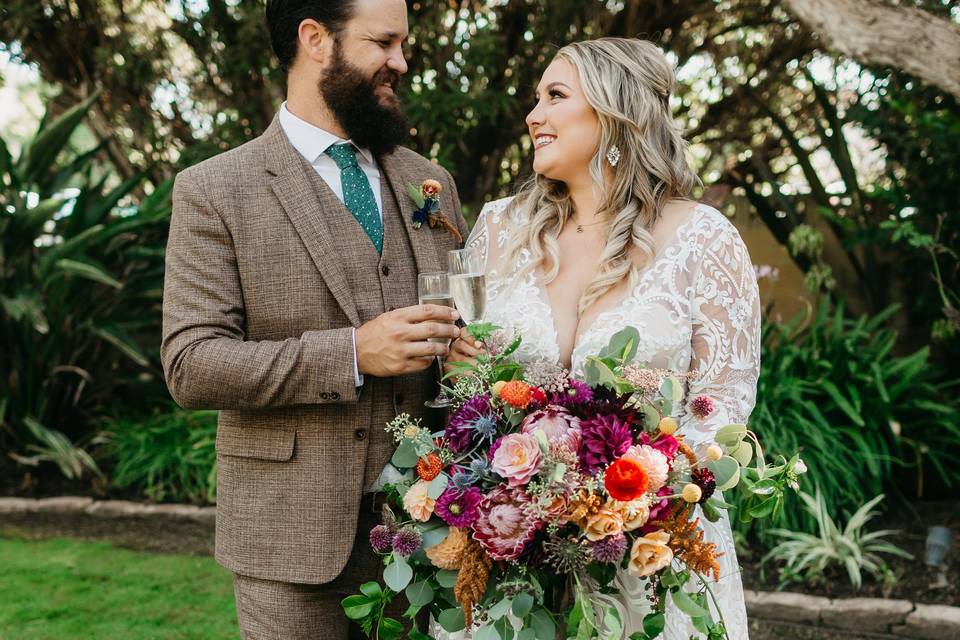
<point x="316" y="41"/>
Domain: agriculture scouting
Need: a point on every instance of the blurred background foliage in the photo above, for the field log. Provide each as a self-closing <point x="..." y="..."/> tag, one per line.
<point x="849" y="167"/>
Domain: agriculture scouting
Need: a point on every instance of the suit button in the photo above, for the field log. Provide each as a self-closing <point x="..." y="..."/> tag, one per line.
<point x="334" y="396"/>
<point x="360" y="434"/>
<point x="324" y="395"/>
<point x="385" y="270"/>
<point x="398" y="399"/>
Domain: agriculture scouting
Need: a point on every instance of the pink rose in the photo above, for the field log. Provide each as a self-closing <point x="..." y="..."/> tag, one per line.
<point x="653" y="462"/>
<point x="517" y="458"/>
<point x="506" y="523"/>
<point x="558" y="424"/>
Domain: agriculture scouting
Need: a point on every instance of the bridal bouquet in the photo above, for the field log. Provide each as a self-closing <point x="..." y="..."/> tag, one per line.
<point x="514" y="520"/>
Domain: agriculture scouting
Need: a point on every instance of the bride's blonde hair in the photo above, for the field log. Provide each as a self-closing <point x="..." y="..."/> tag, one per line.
<point x="628" y="84"/>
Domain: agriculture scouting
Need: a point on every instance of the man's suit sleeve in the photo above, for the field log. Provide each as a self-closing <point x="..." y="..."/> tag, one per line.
<point x="207" y="362"/>
<point x="458" y="219"/>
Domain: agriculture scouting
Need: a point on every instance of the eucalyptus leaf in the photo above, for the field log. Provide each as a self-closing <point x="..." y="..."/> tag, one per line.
<point x="446" y="578"/>
<point x="726" y="470"/>
<point x="543" y="624"/>
<point x="687" y="604"/>
<point x="419" y="594"/>
<point x="398" y="574"/>
<point x="452" y="620"/>
<point x="405" y="456"/>
<point x="437" y="486"/>
<point x="500" y="609"/>
<point x="743" y="453"/>
<point x="522" y="604"/>
<point x="731" y="434"/>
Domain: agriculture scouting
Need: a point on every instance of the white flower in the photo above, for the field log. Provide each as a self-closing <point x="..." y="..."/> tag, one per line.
<point x="800" y="467"/>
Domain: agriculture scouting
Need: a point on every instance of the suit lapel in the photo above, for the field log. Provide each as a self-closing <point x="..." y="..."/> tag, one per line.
<point x="292" y="185"/>
<point x="398" y="177"/>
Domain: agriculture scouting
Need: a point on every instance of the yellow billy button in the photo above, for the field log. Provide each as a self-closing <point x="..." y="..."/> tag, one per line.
<point x="692" y="493"/>
<point x="714" y="452"/>
<point x="667" y="426"/>
<point x="497" y="388"/>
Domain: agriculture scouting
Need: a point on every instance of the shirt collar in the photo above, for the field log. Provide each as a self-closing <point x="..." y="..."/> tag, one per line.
<point x="311" y="141"/>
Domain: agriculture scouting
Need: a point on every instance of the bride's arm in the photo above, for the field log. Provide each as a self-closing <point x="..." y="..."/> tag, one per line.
<point x="725" y="309"/>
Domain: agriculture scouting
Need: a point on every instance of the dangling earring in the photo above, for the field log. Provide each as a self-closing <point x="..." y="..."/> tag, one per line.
<point x="613" y="156"/>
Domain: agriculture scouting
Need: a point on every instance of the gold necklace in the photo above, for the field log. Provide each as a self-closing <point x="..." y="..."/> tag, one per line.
<point x="581" y="226"/>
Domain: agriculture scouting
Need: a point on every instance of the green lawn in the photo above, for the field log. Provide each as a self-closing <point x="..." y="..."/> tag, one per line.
<point x="63" y="589"/>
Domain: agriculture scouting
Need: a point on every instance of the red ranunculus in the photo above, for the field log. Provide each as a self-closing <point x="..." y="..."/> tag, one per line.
<point x="625" y="480"/>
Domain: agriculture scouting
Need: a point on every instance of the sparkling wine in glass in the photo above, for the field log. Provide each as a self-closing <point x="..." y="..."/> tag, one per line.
<point x="434" y="288"/>
<point x="468" y="284"/>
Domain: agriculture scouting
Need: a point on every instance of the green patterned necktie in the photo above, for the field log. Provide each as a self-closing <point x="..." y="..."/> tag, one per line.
<point x="357" y="194"/>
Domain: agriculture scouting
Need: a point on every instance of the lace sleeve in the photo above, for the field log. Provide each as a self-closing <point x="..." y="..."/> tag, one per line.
<point x="490" y="224"/>
<point x="725" y="310"/>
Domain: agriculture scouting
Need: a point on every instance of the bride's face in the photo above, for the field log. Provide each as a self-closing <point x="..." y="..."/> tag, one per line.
<point x="564" y="128"/>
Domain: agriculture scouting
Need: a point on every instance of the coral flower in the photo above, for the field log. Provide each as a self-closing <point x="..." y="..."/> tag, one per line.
<point x="517" y="394"/>
<point x="417" y="502"/>
<point x="625" y="480"/>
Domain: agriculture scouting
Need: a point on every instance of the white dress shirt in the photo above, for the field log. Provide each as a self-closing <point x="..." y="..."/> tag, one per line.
<point x="311" y="142"/>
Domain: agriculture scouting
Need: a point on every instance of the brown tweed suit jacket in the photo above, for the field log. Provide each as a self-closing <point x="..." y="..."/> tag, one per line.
<point x="267" y="272"/>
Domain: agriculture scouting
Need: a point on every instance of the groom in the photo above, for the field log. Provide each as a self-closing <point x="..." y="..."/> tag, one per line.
<point x="289" y="305"/>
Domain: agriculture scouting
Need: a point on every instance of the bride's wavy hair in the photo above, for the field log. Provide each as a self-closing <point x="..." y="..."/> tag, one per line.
<point x="628" y="83"/>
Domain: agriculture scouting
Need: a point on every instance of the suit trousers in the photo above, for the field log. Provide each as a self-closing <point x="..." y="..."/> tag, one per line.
<point x="269" y="610"/>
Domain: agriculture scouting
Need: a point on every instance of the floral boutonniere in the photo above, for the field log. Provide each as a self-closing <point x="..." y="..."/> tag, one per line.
<point x="427" y="199"/>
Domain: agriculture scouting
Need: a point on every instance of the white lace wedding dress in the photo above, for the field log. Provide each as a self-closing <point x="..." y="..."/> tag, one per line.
<point x="697" y="308"/>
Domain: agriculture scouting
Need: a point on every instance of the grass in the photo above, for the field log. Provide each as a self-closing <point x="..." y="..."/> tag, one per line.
<point x="63" y="589"/>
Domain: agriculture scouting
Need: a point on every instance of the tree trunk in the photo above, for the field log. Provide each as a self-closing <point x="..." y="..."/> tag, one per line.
<point x="906" y="38"/>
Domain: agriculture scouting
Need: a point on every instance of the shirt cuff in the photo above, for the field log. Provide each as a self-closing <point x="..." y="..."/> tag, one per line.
<point x="356" y="367"/>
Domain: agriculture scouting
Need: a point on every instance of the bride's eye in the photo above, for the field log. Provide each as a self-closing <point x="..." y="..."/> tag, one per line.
<point x="554" y="94"/>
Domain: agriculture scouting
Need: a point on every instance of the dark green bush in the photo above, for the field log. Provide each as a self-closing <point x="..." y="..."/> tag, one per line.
<point x="865" y="420"/>
<point x="167" y="456"/>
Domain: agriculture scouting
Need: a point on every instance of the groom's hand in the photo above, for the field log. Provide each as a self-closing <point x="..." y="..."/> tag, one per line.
<point x="396" y="342"/>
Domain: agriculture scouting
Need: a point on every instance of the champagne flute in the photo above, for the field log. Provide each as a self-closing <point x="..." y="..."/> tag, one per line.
<point x="468" y="284"/>
<point x="434" y="288"/>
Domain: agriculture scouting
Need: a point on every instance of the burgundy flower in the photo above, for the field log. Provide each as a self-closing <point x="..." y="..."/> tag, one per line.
<point x="707" y="482"/>
<point x="407" y="541"/>
<point x="578" y="393"/>
<point x="381" y="539"/>
<point x="603" y="439"/>
<point x="658" y="511"/>
<point x="459" y="507"/>
<point x="701" y="407"/>
<point x="506" y="523"/>
<point x="460" y="429"/>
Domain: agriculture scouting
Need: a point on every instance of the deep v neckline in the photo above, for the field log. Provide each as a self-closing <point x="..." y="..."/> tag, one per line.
<point x="583" y="331"/>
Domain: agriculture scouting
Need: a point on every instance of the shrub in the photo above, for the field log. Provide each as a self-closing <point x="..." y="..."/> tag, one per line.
<point x="167" y="456"/>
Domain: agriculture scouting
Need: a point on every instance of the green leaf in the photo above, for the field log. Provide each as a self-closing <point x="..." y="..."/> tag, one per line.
<point x="743" y="453"/>
<point x="416" y="195"/>
<point x="710" y="511"/>
<point x="447" y="578"/>
<point x="357" y="607"/>
<point x="89" y="271"/>
<point x="486" y="632"/>
<point x="543" y="624"/>
<point x="40" y="153"/>
<point x="405" y="457"/>
<point x="653" y="624"/>
<point x="726" y="470"/>
<point x="372" y="590"/>
<point x="731" y="434"/>
<point x="419" y="594"/>
<point x="622" y="346"/>
<point x="500" y="609"/>
<point x="389" y="629"/>
<point x="527" y="634"/>
<point x="504" y="628"/>
<point x="452" y="620"/>
<point x="671" y="389"/>
<point x="842" y="402"/>
<point x="687" y="604"/>
<point x="437" y="486"/>
<point x="598" y="374"/>
<point x="522" y="604"/>
<point x="398" y="574"/>
<point x="119" y="339"/>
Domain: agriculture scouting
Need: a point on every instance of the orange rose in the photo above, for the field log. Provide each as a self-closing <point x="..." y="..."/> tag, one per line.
<point x="625" y="480"/>
<point x="650" y="554"/>
<point x="430" y="188"/>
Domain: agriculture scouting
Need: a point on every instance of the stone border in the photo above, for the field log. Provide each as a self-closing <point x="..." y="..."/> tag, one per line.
<point x="874" y="616"/>
<point x="107" y="508"/>
<point x="866" y="616"/>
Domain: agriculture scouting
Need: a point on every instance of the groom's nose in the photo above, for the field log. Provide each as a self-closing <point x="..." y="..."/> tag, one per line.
<point x="396" y="61"/>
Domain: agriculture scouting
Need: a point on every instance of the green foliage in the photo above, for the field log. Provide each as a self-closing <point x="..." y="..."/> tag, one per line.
<point x="168" y="456"/>
<point x="814" y="557"/>
<point x="72" y="590"/>
<point x="80" y="288"/>
<point x="863" y="419"/>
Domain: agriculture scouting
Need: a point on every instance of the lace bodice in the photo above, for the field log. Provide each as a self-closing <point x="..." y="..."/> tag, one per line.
<point x="695" y="305"/>
<point x="697" y="308"/>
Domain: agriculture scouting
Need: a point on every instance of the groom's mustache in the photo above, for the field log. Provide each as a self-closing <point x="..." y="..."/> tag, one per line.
<point x="386" y="76"/>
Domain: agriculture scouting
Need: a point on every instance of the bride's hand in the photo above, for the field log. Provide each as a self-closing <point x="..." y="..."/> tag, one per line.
<point x="464" y="349"/>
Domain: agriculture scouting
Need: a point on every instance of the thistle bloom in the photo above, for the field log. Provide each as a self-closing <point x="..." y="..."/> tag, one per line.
<point x="701" y="407"/>
<point x="407" y="541"/>
<point x="381" y="539"/>
<point x="461" y="430"/>
<point x="610" y="550"/>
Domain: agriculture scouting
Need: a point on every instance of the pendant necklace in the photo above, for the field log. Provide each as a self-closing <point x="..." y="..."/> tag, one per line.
<point x="581" y="226"/>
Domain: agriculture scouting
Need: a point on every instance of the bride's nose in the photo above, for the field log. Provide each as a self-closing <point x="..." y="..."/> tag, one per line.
<point x="535" y="117"/>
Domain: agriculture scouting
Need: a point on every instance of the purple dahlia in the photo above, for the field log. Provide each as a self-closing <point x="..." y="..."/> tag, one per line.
<point x="459" y="507"/>
<point x="603" y="439"/>
<point x="577" y="393"/>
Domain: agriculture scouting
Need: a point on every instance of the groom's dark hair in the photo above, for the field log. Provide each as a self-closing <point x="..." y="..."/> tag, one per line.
<point x="284" y="18"/>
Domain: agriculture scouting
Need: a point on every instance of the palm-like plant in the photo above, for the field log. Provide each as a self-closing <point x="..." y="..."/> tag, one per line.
<point x="80" y="278"/>
<point x="811" y="556"/>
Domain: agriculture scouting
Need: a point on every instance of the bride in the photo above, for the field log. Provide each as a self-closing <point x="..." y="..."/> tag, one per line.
<point x="605" y="236"/>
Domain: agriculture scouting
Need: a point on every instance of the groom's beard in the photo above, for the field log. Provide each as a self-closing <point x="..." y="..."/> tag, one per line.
<point x="351" y="97"/>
